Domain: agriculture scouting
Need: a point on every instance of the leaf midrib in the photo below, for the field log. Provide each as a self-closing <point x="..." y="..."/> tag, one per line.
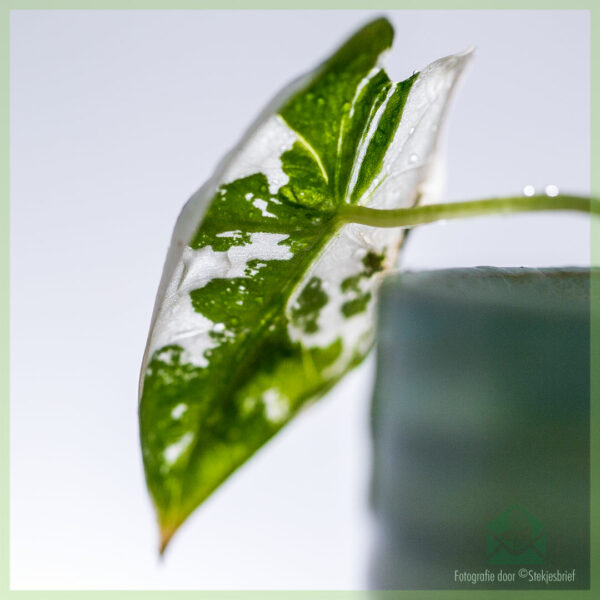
<point x="250" y="349"/>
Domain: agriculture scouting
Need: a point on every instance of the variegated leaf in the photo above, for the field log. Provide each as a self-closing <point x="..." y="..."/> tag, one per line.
<point x="266" y="300"/>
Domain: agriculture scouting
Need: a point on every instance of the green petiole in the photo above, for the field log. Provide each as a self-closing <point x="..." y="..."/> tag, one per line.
<point x="422" y="215"/>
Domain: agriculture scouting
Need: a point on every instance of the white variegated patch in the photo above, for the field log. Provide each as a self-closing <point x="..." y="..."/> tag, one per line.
<point x="409" y="157"/>
<point x="262" y="154"/>
<point x="276" y="405"/>
<point x="175" y="450"/>
<point x="177" y="322"/>
<point x="178" y="411"/>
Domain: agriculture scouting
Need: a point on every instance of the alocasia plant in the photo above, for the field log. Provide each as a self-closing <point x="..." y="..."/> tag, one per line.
<point x="268" y="291"/>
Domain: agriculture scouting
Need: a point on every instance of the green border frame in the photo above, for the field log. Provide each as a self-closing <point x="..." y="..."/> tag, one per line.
<point x="590" y="5"/>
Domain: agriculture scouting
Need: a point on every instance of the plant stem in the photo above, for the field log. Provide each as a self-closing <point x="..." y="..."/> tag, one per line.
<point x="421" y="215"/>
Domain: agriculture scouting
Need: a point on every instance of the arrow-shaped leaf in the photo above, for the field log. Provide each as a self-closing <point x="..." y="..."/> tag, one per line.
<point x="267" y="298"/>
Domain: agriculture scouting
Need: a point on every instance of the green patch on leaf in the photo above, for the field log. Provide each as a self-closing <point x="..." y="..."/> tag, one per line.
<point x="356" y="305"/>
<point x="351" y="286"/>
<point x="310" y="302"/>
<point x="373" y="263"/>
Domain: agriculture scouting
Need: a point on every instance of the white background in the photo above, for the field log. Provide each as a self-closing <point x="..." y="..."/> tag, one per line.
<point x="116" y="118"/>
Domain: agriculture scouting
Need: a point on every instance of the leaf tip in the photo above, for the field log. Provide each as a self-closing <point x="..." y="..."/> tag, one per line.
<point x="166" y="534"/>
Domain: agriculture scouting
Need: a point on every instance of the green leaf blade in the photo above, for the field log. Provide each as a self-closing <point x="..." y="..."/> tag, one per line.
<point x="266" y="300"/>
